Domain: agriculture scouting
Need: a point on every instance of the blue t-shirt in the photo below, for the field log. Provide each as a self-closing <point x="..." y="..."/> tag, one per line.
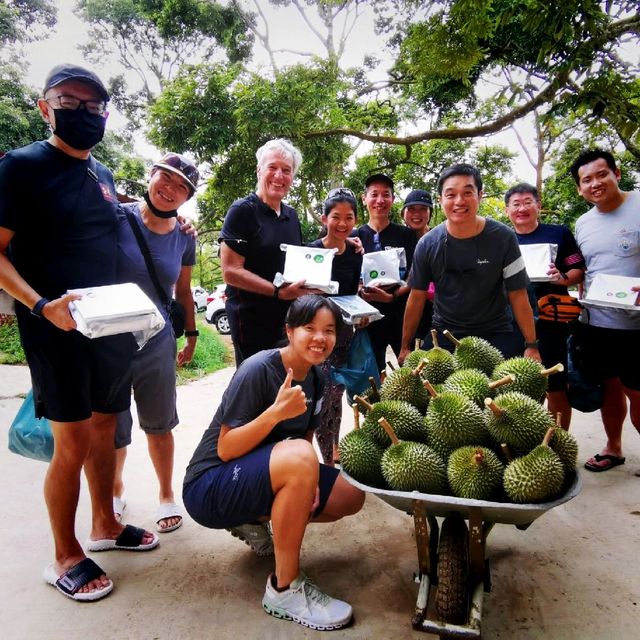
<point x="252" y="390"/>
<point x="169" y="252"/>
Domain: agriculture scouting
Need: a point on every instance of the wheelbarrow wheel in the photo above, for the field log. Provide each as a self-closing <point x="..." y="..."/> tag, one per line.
<point x="452" y="598"/>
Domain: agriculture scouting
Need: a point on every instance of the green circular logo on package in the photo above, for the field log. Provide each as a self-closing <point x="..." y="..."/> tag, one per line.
<point x="373" y="274"/>
<point x="318" y="258"/>
<point x="621" y="294"/>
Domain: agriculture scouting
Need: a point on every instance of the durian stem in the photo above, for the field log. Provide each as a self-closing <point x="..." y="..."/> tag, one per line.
<point x="548" y="436"/>
<point x="497" y="411"/>
<point x="506" y="450"/>
<point x="356" y="416"/>
<point x="383" y="375"/>
<point x="508" y="379"/>
<point x="430" y="388"/>
<point x="447" y="334"/>
<point x="478" y="456"/>
<point x="390" y="365"/>
<point x="559" y="420"/>
<point x="416" y="344"/>
<point x="389" y="429"/>
<point x="557" y="368"/>
<point x="363" y="403"/>
<point x="374" y="386"/>
<point x="421" y="365"/>
<point x="434" y="338"/>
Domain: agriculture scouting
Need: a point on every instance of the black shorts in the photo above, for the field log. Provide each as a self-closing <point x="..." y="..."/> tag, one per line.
<point x="552" y="337"/>
<point x="239" y="491"/>
<point x="72" y="376"/>
<point x="609" y="353"/>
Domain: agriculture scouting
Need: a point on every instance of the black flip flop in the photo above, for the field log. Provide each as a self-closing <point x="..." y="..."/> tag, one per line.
<point x="614" y="461"/>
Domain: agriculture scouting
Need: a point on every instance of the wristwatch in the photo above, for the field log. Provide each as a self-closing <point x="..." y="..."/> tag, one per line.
<point x="276" y="291"/>
<point x="192" y="334"/>
<point x="531" y="345"/>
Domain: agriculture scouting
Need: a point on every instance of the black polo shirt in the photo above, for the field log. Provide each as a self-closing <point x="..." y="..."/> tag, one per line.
<point x="254" y="230"/>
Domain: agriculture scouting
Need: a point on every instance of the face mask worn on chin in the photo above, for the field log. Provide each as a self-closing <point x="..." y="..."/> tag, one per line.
<point x="80" y="129"/>
<point x="161" y="214"/>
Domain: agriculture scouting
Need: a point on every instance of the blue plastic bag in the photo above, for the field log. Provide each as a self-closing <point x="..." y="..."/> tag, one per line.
<point x="30" y="436"/>
<point x="360" y="366"/>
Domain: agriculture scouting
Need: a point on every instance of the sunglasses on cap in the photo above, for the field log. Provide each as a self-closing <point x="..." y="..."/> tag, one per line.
<point x="181" y="165"/>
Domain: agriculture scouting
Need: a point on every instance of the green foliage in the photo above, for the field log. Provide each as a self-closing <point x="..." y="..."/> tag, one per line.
<point x="210" y="355"/>
<point x="25" y="20"/>
<point x="129" y="170"/>
<point x="207" y="271"/>
<point x="10" y="348"/>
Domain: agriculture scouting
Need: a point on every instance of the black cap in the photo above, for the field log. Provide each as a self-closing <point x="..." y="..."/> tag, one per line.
<point x="64" y="72"/>
<point x="182" y="166"/>
<point x="418" y="196"/>
<point x="379" y="177"/>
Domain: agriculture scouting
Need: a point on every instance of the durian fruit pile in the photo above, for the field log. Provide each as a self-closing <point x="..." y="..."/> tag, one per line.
<point x="468" y="424"/>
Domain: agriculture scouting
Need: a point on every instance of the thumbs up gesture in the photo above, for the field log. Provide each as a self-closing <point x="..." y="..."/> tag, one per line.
<point x="290" y="401"/>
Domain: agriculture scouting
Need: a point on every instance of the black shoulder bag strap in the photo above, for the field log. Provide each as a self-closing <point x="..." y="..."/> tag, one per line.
<point x="137" y="232"/>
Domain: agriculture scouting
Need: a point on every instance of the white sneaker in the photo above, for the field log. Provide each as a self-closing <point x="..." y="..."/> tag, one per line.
<point x="305" y="604"/>
<point x="257" y="536"/>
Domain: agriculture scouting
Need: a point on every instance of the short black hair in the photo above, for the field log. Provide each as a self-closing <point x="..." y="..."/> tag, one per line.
<point x="588" y="156"/>
<point x="379" y="178"/>
<point x="460" y="170"/>
<point x="304" y="309"/>
<point x="521" y="187"/>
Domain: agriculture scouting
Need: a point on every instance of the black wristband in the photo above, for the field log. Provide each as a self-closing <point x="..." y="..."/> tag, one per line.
<point x="276" y="292"/>
<point x="192" y="334"/>
<point x="531" y="345"/>
<point x="563" y="275"/>
<point x="38" y="306"/>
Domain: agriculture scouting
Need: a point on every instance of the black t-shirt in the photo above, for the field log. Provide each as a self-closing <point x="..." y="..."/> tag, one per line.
<point x="392" y="236"/>
<point x="568" y="257"/>
<point x="64" y="220"/>
<point x="252" y="390"/>
<point x="345" y="268"/>
<point x="252" y="229"/>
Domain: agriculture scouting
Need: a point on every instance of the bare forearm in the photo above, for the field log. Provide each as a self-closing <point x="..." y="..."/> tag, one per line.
<point x="15" y="285"/>
<point x="236" y="442"/>
<point x="244" y="279"/>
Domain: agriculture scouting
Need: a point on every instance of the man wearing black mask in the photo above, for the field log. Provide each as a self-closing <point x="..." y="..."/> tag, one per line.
<point x="58" y="232"/>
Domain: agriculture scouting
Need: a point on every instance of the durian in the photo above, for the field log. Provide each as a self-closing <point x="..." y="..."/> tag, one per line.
<point x="406" y="420"/>
<point x="406" y="385"/>
<point x="475" y="353"/>
<point x="474" y="384"/>
<point x="530" y="376"/>
<point x="474" y="473"/>
<point x="360" y="457"/>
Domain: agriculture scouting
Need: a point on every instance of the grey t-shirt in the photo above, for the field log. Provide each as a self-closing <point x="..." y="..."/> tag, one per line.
<point x="471" y="276"/>
<point x="252" y="390"/>
<point x="610" y="243"/>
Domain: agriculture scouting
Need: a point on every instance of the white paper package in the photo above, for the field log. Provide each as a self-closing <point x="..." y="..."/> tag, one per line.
<point x="613" y="291"/>
<point x="311" y="264"/>
<point x="382" y="268"/>
<point x="537" y="258"/>
<point x="116" y="308"/>
<point x="355" y="309"/>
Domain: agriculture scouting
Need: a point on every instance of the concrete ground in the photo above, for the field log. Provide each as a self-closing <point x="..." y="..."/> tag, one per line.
<point x="573" y="575"/>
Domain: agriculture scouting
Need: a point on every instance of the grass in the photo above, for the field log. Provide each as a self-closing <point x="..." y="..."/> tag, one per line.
<point x="211" y="352"/>
<point x="10" y="348"/>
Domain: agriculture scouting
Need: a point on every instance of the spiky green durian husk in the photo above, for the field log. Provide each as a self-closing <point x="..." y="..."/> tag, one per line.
<point x="441" y="448"/>
<point x="566" y="446"/>
<point x="471" y="383"/>
<point x="439" y="365"/>
<point x="528" y="379"/>
<point x="406" y="420"/>
<point x="536" y="477"/>
<point x="360" y="457"/>
<point x="474" y="478"/>
<point x="524" y="424"/>
<point x="414" y="358"/>
<point x="455" y="420"/>
<point x="401" y="384"/>
<point x="412" y="466"/>
<point x="477" y="353"/>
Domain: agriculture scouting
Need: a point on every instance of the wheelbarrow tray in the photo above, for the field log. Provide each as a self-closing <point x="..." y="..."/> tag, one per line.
<point x="495" y="512"/>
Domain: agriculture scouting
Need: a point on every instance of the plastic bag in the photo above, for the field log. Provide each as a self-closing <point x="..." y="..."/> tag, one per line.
<point x="360" y="366"/>
<point x="29" y="436"/>
<point x="383" y="268"/>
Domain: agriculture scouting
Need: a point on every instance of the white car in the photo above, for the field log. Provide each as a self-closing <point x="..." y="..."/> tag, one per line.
<point x="216" y="313"/>
<point x="200" y="296"/>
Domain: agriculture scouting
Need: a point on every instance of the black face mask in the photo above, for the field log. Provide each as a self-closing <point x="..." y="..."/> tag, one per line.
<point x="80" y="129"/>
<point x="161" y="214"/>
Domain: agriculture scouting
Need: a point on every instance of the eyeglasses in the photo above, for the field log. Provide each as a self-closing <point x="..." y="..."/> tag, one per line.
<point x="71" y="103"/>
<point x="181" y="164"/>
<point x="525" y="204"/>
<point x="341" y="191"/>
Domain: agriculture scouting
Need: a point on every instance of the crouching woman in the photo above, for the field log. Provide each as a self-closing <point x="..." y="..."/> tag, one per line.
<point x="255" y="463"/>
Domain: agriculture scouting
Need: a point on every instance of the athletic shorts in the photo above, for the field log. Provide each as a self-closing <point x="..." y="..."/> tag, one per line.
<point x="154" y="389"/>
<point x="552" y="337"/>
<point x="72" y="376"/>
<point x="610" y="353"/>
<point x="239" y="491"/>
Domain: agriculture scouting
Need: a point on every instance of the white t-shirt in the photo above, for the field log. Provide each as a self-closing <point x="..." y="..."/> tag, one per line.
<point x="610" y="243"/>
